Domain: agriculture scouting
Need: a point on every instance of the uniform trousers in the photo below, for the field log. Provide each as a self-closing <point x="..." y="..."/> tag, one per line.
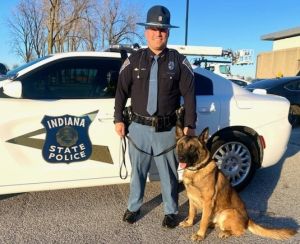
<point x="153" y="142"/>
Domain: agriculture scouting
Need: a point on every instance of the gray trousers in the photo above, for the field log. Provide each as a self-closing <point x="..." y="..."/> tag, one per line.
<point x="153" y="142"/>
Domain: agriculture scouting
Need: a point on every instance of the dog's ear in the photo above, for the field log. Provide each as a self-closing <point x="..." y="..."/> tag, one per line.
<point x="179" y="132"/>
<point x="203" y="137"/>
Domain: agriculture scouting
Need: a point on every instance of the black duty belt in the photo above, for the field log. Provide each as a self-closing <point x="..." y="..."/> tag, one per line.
<point x="160" y="123"/>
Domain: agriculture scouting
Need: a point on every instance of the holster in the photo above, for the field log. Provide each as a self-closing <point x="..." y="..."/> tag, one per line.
<point x="127" y="117"/>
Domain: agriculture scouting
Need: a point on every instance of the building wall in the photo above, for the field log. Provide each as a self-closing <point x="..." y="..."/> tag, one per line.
<point x="286" y="43"/>
<point x="284" y="62"/>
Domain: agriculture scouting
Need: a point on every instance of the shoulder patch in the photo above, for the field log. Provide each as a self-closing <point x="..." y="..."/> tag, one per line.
<point x="188" y="65"/>
<point x="124" y="65"/>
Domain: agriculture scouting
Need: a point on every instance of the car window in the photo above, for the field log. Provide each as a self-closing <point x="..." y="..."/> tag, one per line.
<point x="294" y="85"/>
<point x="26" y="65"/>
<point x="84" y="78"/>
<point x="3" y="69"/>
<point x="203" y="85"/>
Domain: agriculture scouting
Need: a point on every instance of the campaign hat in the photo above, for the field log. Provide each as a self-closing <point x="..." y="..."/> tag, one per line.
<point x="158" y="16"/>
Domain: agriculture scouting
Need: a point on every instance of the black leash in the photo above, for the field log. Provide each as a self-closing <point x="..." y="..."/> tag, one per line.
<point x="124" y="147"/>
<point x="150" y="154"/>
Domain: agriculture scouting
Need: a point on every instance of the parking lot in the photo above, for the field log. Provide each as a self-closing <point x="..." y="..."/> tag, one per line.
<point x="93" y="215"/>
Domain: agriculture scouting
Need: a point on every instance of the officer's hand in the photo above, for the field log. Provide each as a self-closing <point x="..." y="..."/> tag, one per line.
<point x="120" y="129"/>
<point x="188" y="131"/>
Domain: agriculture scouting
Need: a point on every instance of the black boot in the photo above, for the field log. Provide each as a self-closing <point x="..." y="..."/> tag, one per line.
<point x="169" y="221"/>
<point x="130" y="217"/>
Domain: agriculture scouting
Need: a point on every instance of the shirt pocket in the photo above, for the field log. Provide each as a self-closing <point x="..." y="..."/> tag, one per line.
<point x="169" y="82"/>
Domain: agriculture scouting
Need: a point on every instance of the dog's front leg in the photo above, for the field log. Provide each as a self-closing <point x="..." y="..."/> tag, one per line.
<point x="189" y="221"/>
<point x="204" y="223"/>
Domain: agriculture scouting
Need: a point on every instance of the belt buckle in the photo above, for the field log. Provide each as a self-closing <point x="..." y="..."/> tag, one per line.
<point x="154" y="121"/>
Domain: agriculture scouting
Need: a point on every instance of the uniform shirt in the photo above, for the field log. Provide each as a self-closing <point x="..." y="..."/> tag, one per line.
<point x="175" y="79"/>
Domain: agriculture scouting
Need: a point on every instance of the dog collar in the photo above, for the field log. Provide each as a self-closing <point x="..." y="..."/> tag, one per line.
<point x="207" y="159"/>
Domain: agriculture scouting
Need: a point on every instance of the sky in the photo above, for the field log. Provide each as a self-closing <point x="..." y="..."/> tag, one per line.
<point x="230" y="24"/>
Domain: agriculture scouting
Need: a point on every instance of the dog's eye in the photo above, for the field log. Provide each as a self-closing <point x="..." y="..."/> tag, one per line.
<point x="180" y="147"/>
<point x="192" y="149"/>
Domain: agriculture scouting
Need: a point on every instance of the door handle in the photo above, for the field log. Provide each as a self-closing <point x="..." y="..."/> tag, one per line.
<point x="210" y="109"/>
<point x="104" y="117"/>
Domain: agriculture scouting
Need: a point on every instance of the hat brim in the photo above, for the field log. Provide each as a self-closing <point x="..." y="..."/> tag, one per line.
<point x="163" y="26"/>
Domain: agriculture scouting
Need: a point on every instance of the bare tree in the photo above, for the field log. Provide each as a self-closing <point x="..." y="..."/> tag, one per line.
<point x="64" y="17"/>
<point x="53" y="7"/>
<point x="117" y="23"/>
<point x="19" y="26"/>
<point x="39" y="27"/>
<point x="90" y="28"/>
<point x="83" y="34"/>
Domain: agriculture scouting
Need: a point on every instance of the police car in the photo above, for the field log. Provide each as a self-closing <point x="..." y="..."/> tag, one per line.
<point x="57" y="126"/>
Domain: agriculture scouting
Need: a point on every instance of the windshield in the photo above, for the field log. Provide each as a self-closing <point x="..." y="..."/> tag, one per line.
<point x="15" y="71"/>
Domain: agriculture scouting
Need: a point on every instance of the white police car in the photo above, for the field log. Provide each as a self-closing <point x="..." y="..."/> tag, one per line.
<point x="57" y="126"/>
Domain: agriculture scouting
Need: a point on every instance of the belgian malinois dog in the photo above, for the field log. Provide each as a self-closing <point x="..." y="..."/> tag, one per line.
<point x="208" y="189"/>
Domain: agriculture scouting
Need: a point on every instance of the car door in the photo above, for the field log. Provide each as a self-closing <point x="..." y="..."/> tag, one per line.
<point x="61" y="133"/>
<point x="208" y="105"/>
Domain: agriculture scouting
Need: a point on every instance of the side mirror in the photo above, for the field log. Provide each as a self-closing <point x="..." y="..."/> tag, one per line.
<point x="13" y="89"/>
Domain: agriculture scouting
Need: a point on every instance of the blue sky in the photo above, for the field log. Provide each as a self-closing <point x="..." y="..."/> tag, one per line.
<point x="235" y="24"/>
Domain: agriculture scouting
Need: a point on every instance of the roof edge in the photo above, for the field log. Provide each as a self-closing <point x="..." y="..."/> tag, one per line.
<point x="281" y="34"/>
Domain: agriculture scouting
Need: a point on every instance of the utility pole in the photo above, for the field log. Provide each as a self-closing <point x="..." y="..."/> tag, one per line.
<point x="186" y="21"/>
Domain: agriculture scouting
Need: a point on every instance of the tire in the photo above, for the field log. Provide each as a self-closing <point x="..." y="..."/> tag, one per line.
<point x="236" y="155"/>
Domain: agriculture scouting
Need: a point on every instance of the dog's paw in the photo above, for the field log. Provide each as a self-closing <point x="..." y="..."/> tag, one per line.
<point x="185" y="224"/>
<point x="224" y="234"/>
<point x="196" y="237"/>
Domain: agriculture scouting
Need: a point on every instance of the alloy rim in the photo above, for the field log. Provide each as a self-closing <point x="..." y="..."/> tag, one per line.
<point x="234" y="159"/>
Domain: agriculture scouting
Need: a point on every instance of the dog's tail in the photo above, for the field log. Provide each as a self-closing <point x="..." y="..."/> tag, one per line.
<point x="279" y="234"/>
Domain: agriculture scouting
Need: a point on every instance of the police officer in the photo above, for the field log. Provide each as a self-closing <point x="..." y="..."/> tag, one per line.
<point x="155" y="78"/>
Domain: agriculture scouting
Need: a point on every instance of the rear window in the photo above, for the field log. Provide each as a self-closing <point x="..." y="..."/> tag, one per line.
<point x="203" y="85"/>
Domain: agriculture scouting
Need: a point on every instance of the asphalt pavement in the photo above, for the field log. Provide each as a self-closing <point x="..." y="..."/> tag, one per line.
<point x="93" y="215"/>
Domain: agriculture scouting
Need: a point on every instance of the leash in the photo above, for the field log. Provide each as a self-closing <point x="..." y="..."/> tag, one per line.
<point x="123" y="163"/>
<point x="150" y="154"/>
<point x="124" y="148"/>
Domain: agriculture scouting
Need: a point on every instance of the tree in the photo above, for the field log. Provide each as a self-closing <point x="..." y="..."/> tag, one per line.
<point x="19" y="26"/>
<point x="66" y="24"/>
<point x="27" y="30"/>
<point x="40" y="27"/>
<point x="37" y="27"/>
<point x="116" y="24"/>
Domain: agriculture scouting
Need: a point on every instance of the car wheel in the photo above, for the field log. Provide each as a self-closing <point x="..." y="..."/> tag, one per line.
<point x="236" y="155"/>
<point x="294" y="115"/>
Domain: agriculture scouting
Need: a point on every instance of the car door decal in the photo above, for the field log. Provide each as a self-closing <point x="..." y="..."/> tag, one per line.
<point x="88" y="151"/>
<point x="67" y="139"/>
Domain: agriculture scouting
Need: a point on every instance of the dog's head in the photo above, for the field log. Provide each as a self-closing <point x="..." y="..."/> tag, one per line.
<point x="191" y="150"/>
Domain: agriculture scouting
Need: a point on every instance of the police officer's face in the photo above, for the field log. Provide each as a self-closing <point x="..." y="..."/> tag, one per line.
<point x="157" y="38"/>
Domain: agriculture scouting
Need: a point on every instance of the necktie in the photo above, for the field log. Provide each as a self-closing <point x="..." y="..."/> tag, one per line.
<point x="152" y="93"/>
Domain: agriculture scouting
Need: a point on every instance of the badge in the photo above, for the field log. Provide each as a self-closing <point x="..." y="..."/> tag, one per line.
<point x="67" y="139"/>
<point x="171" y="65"/>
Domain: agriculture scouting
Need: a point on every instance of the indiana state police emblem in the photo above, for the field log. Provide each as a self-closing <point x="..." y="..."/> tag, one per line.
<point x="67" y="139"/>
<point x="171" y="65"/>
